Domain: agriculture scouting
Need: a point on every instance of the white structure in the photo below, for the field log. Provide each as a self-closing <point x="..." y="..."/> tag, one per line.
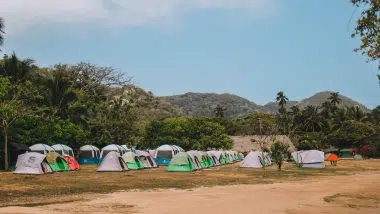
<point x="89" y="151"/>
<point x="255" y="160"/>
<point x="146" y="159"/>
<point x="32" y="163"/>
<point x="214" y="157"/>
<point x="113" y="147"/>
<point x="41" y="148"/>
<point x="309" y="158"/>
<point x="63" y="149"/>
<point x="112" y="162"/>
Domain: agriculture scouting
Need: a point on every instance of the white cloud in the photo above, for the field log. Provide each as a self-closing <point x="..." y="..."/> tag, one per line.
<point x="21" y="14"/>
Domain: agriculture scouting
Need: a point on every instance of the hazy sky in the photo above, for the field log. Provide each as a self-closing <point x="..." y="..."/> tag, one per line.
<point x="252" y="48"/>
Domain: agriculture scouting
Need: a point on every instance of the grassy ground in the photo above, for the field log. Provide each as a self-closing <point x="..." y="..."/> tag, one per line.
<point x="26" y="190"/>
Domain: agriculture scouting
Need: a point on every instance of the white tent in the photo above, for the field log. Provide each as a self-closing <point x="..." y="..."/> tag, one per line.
<point x="214" y="158"/>
<point x="126" y="148"/>
<point x="254" y="160"/>
<point x="217" y="155"/>
<point x="41" y="148"/>
<point x="146" y="159"/>
<point x="112" y="163"/>
<point x="63" y="149"/>
<point x="90" y="151"/>
<point x="194" y="156"/>
<point x="309" y="158"/>
<point x="32" y="163"/>
<point x="113" y="147"/>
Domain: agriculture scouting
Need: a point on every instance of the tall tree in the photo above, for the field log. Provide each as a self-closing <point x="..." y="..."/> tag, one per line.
<point x="282" y="100"/>
<point x="220" y="111"/>
<point x="368" y="29"/>
<point x="1" y="31"/>
<point x="334" y="98"/>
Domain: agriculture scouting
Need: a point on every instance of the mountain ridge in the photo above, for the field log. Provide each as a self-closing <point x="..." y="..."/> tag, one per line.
<point x="203" y="104"/>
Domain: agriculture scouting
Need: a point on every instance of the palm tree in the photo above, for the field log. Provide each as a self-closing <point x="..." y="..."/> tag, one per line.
<point x="334" y="98"/>
<point x="281" y="100"/>
<point x="1" y="32"/>
<point x="16" y="68"/>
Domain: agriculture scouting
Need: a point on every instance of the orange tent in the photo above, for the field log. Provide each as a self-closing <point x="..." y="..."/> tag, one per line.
<point x="73" y="164"/>
<point x="333" y="157"/>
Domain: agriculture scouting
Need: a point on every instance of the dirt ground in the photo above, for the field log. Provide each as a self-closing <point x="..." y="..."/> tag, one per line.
<point x="356" y="192"/>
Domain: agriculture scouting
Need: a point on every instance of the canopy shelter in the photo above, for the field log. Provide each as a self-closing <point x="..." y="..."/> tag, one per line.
<point x="32" y="163"/>
<point x="57" y="162"/>
<point x="71" y="162"/>
<point x="132" y="161"/>
<point x="112" y="162"/>
<point x="63" y="149"/>
<point x="88" y="154"/>
<point x="41" y="148"/>
<point x="146" y="159"/>
<point x="255" y="160"/>
<point x="181" y="162"/>
<point x="309" y="158"/>
<point x="165" y="153"/>
<point x="14" y="150"/>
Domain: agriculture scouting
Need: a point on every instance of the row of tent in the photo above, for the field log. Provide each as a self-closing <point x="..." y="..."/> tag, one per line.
<point x="195" y="160"/>
<point x="36" y="163"/>
<point x="114" y="162"/>
<point x="305" y="159"/>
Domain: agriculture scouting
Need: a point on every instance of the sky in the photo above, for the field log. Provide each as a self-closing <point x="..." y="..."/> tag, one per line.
<point x="251" y="48"/>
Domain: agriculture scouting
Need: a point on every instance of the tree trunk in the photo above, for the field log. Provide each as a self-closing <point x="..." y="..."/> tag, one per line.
<point x="5" y="128"/>
<point x="279" y="166"/>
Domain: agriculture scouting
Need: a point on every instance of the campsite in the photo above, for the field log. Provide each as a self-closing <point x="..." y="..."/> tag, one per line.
<point x="190" y="106"/>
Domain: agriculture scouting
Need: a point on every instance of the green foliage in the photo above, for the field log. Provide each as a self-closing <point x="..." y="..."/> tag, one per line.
<point x="368" y="28"/>
<point x="255" y="124"/>
<point x="350" y="133"/>
<point x="189" y="133"/>
<point x="279" y="153"/>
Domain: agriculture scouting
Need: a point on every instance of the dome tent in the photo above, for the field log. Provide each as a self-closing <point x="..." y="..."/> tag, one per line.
<point x="181" y="162"/>
<point x="112" y="162"/>
<point x="214" y="158"/>
<point x="71" y="162"/>
<point x="195" y="159"/>
<point x="146" y="159"/>
<point x="32" y="163"/>
<point x="63" y="149"/>
<point x="221" y="157"/>
<point x="41" y="148"/>
<point x="309" y="158"/>
<point x="165" y="153"/>
<point x="88" y="154"/>
<point x="57" y="162"/>
<point x="255" y="160"/>
<point x="132" y="161"/>
<point x="111" y="148"/>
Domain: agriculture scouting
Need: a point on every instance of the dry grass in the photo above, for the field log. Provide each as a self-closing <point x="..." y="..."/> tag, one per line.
<point x="26" y="190"/>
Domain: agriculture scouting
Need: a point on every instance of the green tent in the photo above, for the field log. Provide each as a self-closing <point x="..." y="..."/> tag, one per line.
<point x="210" y="161"/>
<point x="56" y="162"/>
<point x="181" y="162"/>
<point x="345" y="153"/>
<point x="223" y="158"/>
<point x="202" y="159"/>
<point x="132" y="161"/>
<point x="240" y="156"/>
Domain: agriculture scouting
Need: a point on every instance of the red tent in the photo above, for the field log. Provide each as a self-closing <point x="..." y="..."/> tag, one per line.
<point x="73" y="164"/>
<point x="333" y="157"/>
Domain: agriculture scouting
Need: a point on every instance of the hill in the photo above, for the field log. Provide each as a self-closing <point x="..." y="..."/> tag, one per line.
<point x="204" y="104"/>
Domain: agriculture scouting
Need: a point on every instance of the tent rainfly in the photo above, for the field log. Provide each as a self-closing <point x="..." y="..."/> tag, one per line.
<point x="112" y="162"/>
<point x="309" y="158"/>
<point x="41" y="148"/>
<point x="132" y="161"/>
<point x="181" y="162"/>
<point x="32" y="163"/>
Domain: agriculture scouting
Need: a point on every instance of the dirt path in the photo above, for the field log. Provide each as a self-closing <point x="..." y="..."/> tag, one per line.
<point x="290" y="198"/>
